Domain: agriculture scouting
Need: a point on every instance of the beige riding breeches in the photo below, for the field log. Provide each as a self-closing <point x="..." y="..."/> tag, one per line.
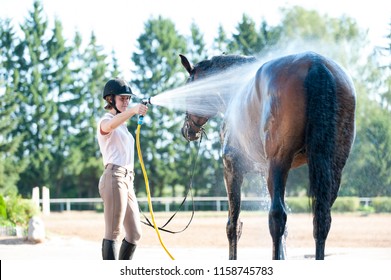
<point x="120" y="204"/>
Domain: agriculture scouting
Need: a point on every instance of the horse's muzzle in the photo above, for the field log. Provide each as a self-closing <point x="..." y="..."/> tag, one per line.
<point x="189" y="134"/>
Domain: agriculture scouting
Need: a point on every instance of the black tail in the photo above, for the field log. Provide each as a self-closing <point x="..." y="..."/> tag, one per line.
<point x="320" y="140"/>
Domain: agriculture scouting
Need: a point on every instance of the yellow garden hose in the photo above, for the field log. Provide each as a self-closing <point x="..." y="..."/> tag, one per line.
<point x="148" y="190"/>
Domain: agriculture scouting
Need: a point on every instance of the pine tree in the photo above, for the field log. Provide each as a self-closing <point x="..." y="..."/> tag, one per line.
<point x="36" y="104"/>
<point x="196" y="48"/>
<point x="246" y="41"/>
<point x="85" y="162"/>
<point x="250" y="41"/>
<point x="10" y="166"/>
<point x="221" y="42"/>
<point x="45" y="115"/>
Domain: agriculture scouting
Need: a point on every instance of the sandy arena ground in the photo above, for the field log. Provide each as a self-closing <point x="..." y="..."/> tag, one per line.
<point x="77" y="236"/>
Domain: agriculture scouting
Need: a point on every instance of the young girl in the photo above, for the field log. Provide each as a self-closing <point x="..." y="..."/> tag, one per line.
<point x="116" y="183"/>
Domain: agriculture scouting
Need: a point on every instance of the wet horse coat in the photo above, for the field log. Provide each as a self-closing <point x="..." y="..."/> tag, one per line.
<point x="296" y="110"/>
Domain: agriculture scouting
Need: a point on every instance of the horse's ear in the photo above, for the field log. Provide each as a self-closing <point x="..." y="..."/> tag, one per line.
<point x="186" y="64"/>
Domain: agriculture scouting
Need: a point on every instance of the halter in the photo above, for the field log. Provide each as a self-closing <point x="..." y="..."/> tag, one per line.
<point x="194" y="126"/>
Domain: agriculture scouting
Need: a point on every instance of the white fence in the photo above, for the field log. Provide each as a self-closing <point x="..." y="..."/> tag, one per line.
<point x="163" y="204"/>
<point x="170" y="203"/>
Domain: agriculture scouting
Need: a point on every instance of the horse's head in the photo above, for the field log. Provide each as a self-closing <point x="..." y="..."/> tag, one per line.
<point x="193" y="126"/>
<point x="217" y="88"/>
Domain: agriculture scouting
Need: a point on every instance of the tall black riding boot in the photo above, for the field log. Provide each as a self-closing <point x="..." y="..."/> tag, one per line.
<point x="109" y="249"/>
<point x="127" y="250"/>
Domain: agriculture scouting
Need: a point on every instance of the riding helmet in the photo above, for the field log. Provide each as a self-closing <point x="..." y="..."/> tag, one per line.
<point x="117" y="86"/>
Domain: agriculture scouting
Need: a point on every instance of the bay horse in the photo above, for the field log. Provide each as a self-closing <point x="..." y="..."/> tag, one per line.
<point x="297" y="109"/>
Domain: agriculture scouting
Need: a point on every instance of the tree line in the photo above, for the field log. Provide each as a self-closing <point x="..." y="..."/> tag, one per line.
<point x="50" y="101"/>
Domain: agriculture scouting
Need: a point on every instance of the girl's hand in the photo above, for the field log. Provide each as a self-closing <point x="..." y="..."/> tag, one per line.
<point x="141" y="109"/>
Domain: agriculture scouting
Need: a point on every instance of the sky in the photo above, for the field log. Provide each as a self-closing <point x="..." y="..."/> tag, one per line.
<point x="118" y="23"/>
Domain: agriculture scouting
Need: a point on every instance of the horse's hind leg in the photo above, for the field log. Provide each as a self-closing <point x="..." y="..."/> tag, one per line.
<point x="277" y="215"/>
<point x="233" y="180"/>
<point x="322" y="216"/>
<point x="322" y="224"/>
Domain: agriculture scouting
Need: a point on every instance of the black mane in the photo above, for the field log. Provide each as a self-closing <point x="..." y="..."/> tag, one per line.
<point x="223" y="62"/>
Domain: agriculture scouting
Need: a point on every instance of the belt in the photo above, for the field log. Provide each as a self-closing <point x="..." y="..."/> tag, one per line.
<point x="119" y="168"/>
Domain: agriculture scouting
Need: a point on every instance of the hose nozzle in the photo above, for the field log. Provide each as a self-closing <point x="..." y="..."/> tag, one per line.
<point x="141" y="117"/>
<point x="146" y="101"/>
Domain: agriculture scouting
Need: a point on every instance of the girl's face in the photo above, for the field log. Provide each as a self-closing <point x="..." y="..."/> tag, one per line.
<point x="122" y="102"/>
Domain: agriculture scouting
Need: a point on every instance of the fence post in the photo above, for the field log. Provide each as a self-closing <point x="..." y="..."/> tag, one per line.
<point x="35" y="197"/>
<point x="167" y="206"/>
<point x="45" y="200"/>
<point x="218" y="205"/>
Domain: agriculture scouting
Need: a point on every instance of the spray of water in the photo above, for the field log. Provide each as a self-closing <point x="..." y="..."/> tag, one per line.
<point x="229" y="92"/>
<point x="201" y="96"/>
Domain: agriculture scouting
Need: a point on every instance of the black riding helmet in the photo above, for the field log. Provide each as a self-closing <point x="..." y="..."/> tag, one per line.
<point x="116" y="86"/>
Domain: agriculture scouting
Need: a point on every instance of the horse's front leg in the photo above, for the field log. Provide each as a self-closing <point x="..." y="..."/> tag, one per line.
<point x="233" y="180"/>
